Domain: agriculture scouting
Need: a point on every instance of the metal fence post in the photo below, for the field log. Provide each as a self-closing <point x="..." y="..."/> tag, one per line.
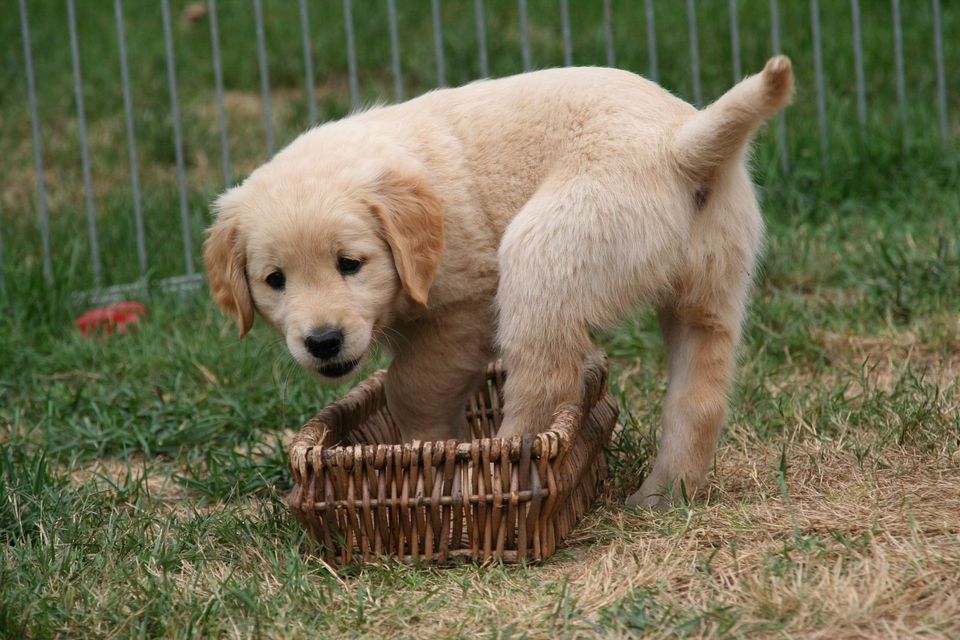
<point x="818" y="73"/>
<point x="177" y="137"/>
<point x="351" y="55"/>
<point x="264" y="76"/>
<point x="608" y="33"/>
<point x="565" y="31"/>
<point x="941" y="80"/>
<point x="652" y="42"/>
<point x="898" y="61"/>
<point x="438" y="43"/>
<point x="218" y="81"/>
<point x="131" y="141"/>
<point x="858" y="67"/>
<point x="781" y="119"/>
<point x="395" y="50"/>
<point x="481" y="36"/>
<point x="308" y="62"/>
<point x="84" y="146"/>
<point x="524" y="35"/>
<point x="694" y="52"/>
<point x="735" y="42"/>
<point x="37" y="152"/>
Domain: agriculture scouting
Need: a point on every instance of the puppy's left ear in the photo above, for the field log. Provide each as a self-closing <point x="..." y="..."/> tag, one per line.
<point x="411" y="216"/>
<point x="226" y="262"/>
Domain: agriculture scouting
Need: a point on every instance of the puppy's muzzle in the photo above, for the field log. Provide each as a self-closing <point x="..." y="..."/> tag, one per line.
<point x="325" y="343"/>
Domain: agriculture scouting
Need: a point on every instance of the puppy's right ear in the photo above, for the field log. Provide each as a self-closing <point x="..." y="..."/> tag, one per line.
<point x="226" y="261"/>
<point x="411" y="216"/>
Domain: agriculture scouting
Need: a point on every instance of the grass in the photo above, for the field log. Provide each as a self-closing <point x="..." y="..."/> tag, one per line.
<point x="142" y="476"/>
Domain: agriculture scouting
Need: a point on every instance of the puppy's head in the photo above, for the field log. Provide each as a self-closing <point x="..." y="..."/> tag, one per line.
<point x="325" y="259"/>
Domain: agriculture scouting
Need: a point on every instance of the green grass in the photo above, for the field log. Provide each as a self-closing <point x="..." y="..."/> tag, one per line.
<point x="142" y="476"/>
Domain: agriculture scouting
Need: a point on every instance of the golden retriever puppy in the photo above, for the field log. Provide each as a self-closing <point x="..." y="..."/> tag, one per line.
<point x="516" y="214"/>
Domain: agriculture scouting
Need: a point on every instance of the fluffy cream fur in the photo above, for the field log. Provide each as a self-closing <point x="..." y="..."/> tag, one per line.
<point x="516" y="213"/>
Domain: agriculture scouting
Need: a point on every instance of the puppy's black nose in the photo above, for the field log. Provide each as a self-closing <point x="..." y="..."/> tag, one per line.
<point x="325" y="343"/>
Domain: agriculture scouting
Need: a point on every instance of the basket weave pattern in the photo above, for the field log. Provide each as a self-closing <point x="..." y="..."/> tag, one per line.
<point x="360" y="495"/>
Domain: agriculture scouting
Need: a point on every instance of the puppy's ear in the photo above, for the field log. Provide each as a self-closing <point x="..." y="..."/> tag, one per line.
<point x="411" y="216"/>
<point x="226" y="267"/>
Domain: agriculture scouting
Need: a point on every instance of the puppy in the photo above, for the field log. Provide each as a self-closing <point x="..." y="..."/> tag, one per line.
<point x="516" y="214"/>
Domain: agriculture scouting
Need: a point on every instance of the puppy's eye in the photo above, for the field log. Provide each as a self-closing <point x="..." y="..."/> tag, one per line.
<point x="348" y="266"/>
<point x="277" y="280"/>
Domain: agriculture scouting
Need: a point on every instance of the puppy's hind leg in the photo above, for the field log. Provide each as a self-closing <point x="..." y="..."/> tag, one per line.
<point x="701" y="347"/>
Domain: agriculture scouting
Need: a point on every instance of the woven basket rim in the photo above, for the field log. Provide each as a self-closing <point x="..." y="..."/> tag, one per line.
<point x="552" y="442"/>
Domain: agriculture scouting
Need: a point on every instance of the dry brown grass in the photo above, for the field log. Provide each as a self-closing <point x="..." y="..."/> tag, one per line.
<point x="844" y="551"/>
<point x="839" y="550"/>
<point x="836" y="544"/>
<point x="839" y="544"/>
<point x="886" y="357"/>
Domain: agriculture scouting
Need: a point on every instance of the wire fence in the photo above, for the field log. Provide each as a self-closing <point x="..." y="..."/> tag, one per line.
<point x="102" y="289"/>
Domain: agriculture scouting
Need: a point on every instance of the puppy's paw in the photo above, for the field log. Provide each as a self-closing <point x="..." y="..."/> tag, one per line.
<point x="658" y="492"/>
<point x="641" y="500"/>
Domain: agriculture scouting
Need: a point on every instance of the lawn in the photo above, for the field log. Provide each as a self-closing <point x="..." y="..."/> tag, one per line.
<point x="142" y="476"/>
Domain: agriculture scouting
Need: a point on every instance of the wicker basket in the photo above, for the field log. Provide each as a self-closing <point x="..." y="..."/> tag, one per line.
<point x="439" y="502"/>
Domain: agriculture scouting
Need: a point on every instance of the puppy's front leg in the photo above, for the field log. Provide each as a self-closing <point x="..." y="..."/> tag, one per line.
<point x="544" y="351"/>
<point x="540" y="378"/>
<point x="543" y="301"/>
<point x="437" y="365"/>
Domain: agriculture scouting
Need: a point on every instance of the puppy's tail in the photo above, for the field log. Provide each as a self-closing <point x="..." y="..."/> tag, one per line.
<point x="716" y="135"/>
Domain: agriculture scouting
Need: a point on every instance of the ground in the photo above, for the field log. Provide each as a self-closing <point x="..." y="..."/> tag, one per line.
<point x="142" y="476"/>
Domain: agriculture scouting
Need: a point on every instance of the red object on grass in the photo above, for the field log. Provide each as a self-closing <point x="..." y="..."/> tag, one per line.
<point x="119" y="317"/>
